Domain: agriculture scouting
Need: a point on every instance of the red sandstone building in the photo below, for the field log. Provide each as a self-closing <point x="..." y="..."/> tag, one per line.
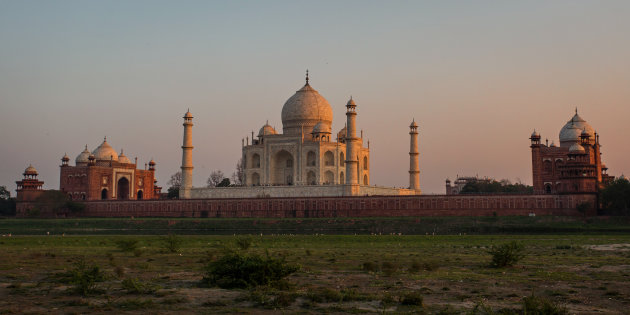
<point x="29" y="188"/>
<point x="105" y="175"/>
<point x="573" y="167"/>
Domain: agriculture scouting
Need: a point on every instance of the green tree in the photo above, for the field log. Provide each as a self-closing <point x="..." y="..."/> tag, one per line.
<point x="175" y="182"/>
<point x="224" y="183"/>
<point x="7" y="204"/>
<point x="504" y="186"/>
<point x="4" y="193"/>
<point x="615" y="197"/>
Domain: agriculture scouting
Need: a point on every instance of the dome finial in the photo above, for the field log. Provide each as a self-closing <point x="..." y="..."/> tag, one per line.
<point x="105" y="139"/>
<point x="307" y="76"/>
<point x="576" y="110"/>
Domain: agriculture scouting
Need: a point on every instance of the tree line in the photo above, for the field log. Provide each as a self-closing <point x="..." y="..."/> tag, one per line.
<point x="216" y="179"/>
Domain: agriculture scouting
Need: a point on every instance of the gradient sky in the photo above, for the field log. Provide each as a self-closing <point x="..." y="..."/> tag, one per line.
<point x="478" y="76"/>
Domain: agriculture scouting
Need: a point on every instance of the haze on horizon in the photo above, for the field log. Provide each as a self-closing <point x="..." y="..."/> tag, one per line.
<point x="478" y="77"/>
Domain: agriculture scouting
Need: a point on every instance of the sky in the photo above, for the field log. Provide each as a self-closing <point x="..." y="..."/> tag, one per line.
<point x="477" y="76"/>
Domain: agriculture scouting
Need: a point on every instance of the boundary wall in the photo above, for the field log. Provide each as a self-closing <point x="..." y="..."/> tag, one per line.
<point x="326" y="207"/>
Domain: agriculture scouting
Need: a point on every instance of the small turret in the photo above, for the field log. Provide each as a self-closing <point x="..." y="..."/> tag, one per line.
<point x="65" y="159"/>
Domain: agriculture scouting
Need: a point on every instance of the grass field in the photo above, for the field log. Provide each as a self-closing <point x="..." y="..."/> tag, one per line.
<point x="339" y="274"/>
<point x="336" y="226"/>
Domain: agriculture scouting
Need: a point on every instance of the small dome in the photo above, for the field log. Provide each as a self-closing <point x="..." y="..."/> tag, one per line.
<point x="151" y="162"/>
<point x="535" y="134"/>
<point x="30" y="170"/>
<point x="105" y="152"/>
<point x="91" y="157"/>
<point x="322" y="127"/>
<point x="413" y="124"/>
<point x="577" y="148"/>
<point x="604" y="167"/>
<point x="122" y="158"/>
<point x="342" y="133"/>
<point x="553" y="145"/>
<point x="65" y="157"/>
<point x="188" y="115"/>
<point x="585" y="133"/>
<point x="267" y="130"/>
<point x="83" y="156"/>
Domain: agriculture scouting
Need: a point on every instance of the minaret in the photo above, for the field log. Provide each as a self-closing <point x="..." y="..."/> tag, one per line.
<point x="187" y="166"/>
<point x="414" y="162"/>
<point x="352" y="176"/>
<point x="536" y="163"/>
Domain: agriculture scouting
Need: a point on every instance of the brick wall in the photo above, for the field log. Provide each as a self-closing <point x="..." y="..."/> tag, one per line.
<point x="321" y="207"/>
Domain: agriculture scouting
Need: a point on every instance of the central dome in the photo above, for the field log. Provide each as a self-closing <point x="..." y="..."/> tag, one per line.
<point x="303" y="110"/>
<point x="570" y="133"/>
<point x="105" y="152"/>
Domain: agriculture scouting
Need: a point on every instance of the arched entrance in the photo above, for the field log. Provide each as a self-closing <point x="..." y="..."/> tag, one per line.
<point x="123" y="188"/>
<point x="104" y="194"/>
<point x="330" y="178"/>
<point x="140" y="194"/>
<point x="282" y="173"/>
<point x="310" y="178"/>
<point x="255" y="179"/>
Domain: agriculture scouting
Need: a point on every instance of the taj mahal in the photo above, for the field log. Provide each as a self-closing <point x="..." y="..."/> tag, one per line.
<point x="304" y="160"/>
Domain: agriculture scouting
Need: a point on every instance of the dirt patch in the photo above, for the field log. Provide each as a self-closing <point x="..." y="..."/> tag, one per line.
<point x="611" y="247"/>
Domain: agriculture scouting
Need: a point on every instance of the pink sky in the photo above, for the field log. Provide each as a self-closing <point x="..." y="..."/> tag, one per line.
<point x="478" y="77"/>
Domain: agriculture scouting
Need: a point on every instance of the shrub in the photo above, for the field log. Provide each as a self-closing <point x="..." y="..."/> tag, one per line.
<point x="172" y="243"/>
<point x="507" y="254"/>
<point x="412" y="298"/>
<point x="127" y="245"/>
<point x="323" y="295"/>
<point x="135" y="286"/>
<point x="234" y="270"/>
<point x="84" y="277"/>
<point x="538" y="305"/>
<point x="135" y="304"/>
<point x="415" y="267"/>
<point x="369" y="266"/>
<point x="244" y="243"/>
<point x="389" y="268"/>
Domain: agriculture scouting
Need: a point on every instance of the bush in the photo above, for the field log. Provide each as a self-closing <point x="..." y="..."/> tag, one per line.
<point x="127" y="245"/>
<point x="325" y="295"/>
<point x="370" y="266"/>
<point x="507" y="254"/>
<point x="135" y="286"/>
<point x="172" y="243"/>
<point x="412" y="298"/>
<point x="84" y="277"/>
<point x="534" y="305"/>
<point x="244" y="243"/>
<point x="389" y="268"/>
<point x="417" y="266"/>
<point x="234" y="270"/>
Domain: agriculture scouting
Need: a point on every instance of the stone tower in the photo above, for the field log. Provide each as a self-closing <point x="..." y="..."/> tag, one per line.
<point x="187" y="166"/>
<point x="414" y="163"/>
<point x="352" y="176"/>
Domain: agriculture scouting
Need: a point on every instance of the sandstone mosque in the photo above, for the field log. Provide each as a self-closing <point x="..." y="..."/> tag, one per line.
<point x="304" y="160"/>
<point x="573" y="167"/>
